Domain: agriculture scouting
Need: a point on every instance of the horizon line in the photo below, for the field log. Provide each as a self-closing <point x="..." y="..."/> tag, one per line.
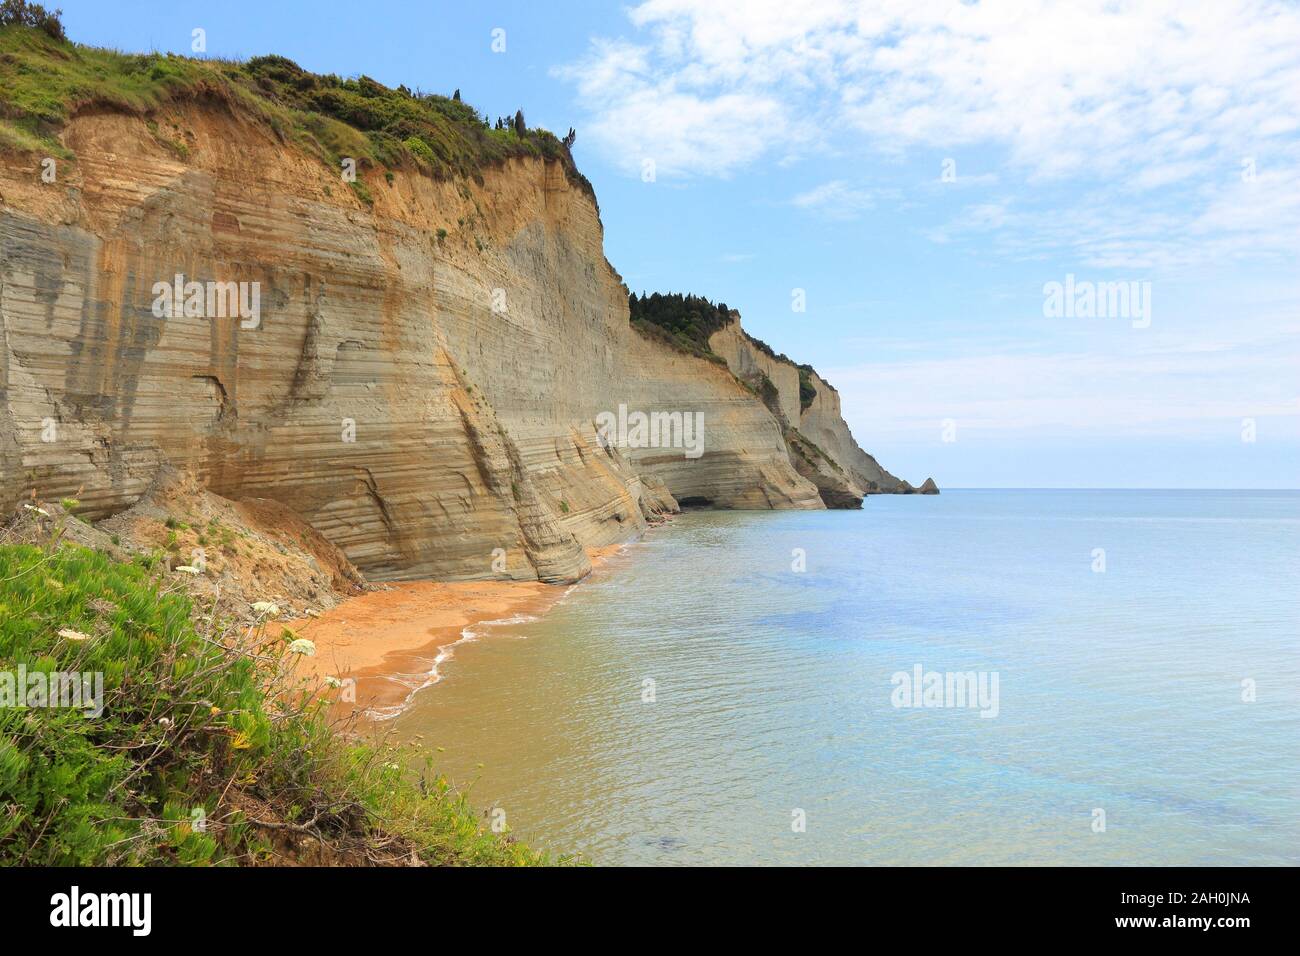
<point x="943" y="488"/>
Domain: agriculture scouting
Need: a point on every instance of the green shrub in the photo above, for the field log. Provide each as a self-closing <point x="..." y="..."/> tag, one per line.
<point x="362" y="192"/>
<point x="807" y="391"/>
<point x="768" y="350"/>
<point x="81" y="790"/>
<point x="769" y="393"/>
<point x="420" y="149"/>
<point x="22" y="13"/>
<point x="690" y="317"/>
<point x="185" y="719"/>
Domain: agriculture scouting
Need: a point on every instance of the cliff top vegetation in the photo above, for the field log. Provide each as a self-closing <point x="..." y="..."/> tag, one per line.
<point x="682" y="320"/>
<point x="688" y="321"/>
<point x="45" y="80"/>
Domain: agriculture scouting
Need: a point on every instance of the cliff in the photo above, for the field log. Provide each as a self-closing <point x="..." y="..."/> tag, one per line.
<point x="820" y="444"/>
<point x="432" y="351"/>
<point x="823" y="422"/>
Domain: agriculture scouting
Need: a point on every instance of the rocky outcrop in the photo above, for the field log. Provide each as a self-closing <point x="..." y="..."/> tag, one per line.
<point x="823" y="422"/>
<point x="836" y="488"/>
<point x="422" y="382"/>
<point x="751" y="364"/>
<point x="819" y="442"/>
<point x="226" y="555"/>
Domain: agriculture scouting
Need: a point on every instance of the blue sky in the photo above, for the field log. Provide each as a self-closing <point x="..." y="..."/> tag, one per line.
<point x="921" y="175"/>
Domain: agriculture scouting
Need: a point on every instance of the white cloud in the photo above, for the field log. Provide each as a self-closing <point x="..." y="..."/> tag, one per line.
<point x="980" y="217"/>
<point x="837" y="199"/>
<point x="640" y="116"/>
<point x="1151" y="105"/>
<point x="1068" y="87"/>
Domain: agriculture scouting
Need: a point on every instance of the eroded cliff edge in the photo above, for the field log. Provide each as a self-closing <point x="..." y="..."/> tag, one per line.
<point x="424" y="379"/>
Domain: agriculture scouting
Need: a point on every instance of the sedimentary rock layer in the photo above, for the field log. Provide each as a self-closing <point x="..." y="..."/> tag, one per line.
<point x="821" y="446"/>
<point x="420" y="384"/>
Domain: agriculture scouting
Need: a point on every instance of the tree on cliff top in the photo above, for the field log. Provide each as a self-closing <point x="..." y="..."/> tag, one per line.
<point x="691" y="319"/>
<point x="24" y="14"/>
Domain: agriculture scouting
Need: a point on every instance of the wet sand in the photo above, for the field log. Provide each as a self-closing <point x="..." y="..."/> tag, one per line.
<point x="391" y="642"/>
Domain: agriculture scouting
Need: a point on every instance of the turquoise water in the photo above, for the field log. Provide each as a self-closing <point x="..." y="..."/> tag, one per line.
<point x="1119" y="691"/>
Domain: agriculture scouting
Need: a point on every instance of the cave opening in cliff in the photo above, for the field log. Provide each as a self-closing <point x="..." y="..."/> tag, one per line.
<point x="697" y="501"/>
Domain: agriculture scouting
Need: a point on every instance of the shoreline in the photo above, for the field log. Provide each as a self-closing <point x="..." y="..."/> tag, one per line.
<point x="393" y="642"/>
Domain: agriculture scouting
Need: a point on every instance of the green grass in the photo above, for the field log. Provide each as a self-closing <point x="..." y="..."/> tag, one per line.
<point x="187" y="721"/>
<point x="45" y="81"/>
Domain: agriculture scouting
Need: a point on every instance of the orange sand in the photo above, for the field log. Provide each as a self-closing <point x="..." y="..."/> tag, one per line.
<point x="379" y="635"/>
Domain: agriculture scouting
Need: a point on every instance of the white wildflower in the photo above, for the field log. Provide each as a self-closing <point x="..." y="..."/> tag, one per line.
<point x="266" y="607"/>
<point x="188" y="569"/>
<point x="304" y="647"/>
<point x="39" y="511"/>
<point x="333" y="682"/>
<point x="72" y="635"/>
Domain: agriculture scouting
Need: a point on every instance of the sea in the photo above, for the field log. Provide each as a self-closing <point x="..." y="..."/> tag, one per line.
<point x="983" y="677"/>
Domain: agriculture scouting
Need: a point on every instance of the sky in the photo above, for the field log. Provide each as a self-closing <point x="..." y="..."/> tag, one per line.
<point x="931" y="182"/>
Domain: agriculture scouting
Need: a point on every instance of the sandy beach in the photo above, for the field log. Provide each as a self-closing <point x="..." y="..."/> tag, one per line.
<point x="391" y="642"/>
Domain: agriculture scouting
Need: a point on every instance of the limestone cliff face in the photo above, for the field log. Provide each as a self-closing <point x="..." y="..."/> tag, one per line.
<point x="821" y="448"/>
<point x="749" y="363"/>
<point x="422" y="384"/>
<point x="823" y="422"/>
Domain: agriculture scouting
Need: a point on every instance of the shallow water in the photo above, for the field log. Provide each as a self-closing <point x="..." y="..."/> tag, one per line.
<point x="1117" y="691"/>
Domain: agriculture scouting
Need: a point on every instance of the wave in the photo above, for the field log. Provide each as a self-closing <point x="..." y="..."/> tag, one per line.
<point x="419" y="681"/>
